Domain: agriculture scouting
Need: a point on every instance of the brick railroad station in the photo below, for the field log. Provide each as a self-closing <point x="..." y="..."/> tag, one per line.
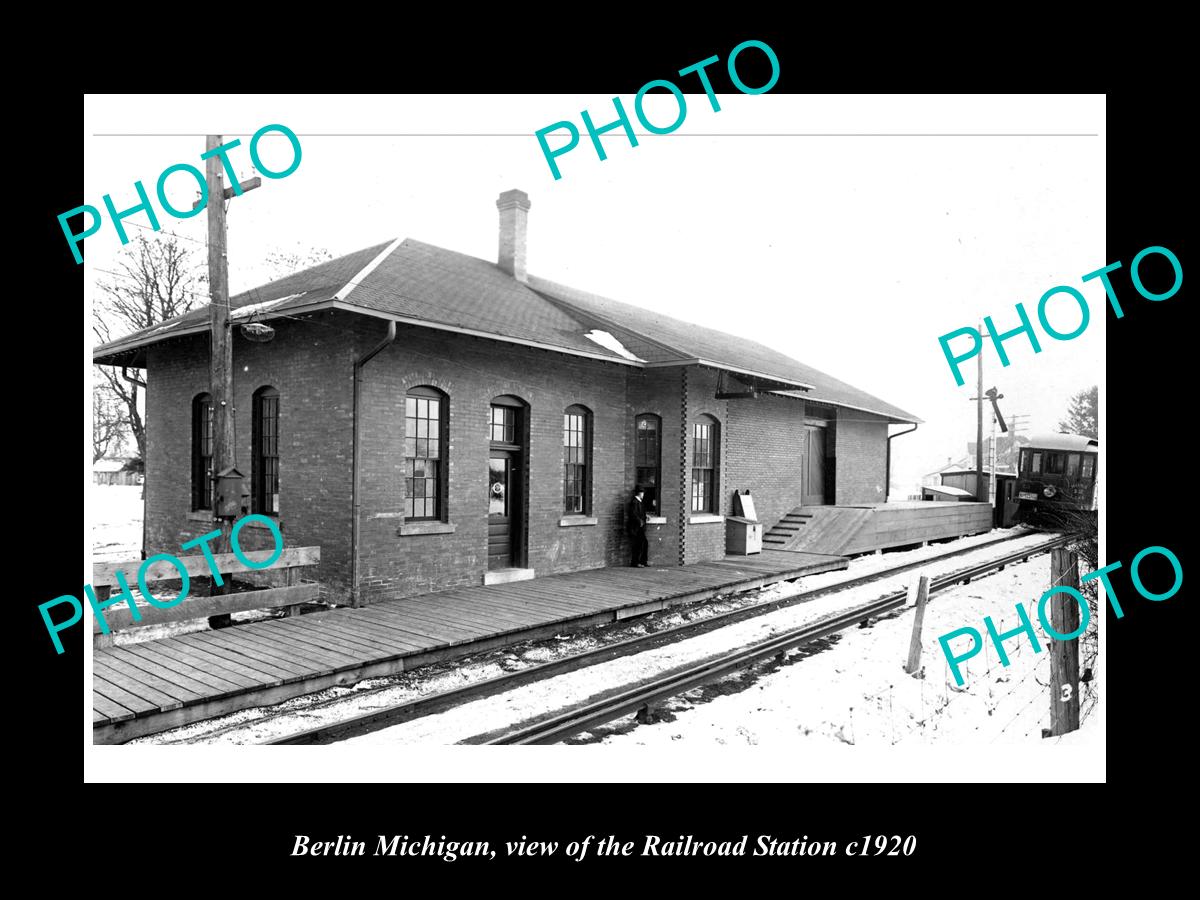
<point x="500" y="427"/>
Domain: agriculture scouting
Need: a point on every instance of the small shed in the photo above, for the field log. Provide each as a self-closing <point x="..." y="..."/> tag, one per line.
<point x="945" y="493"/>
<point x="113" y="471"/>
<point x="1005" y="501"/>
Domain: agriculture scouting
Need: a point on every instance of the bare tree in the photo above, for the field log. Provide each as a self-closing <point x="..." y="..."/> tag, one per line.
<point x="156" y="278"/>
<point x="108" y="422"/>
<point x="284" y="262"/>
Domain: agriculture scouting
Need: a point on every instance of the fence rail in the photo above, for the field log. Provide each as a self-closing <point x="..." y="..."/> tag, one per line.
<point x="120" y="618"/>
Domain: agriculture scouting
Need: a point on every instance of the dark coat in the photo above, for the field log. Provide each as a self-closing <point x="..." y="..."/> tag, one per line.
<point x="637" y="515"/>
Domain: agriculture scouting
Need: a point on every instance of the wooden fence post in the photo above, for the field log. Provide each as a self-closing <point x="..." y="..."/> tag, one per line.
<point x="914" y="648"/>
<point x="1064" y="655"/>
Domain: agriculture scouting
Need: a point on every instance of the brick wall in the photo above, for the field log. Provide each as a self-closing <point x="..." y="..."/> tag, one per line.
<point x="861" y="457"/>
<point x="309" y="363"/>
<point x="471" y="371"/>
<point x="766" y="454"/>
<point x="702" y="541"/>
<point x="657" y="391"/>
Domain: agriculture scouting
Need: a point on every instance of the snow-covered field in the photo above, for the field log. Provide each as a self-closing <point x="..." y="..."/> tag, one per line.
<point x="116" y="522"/>
<point x="856" y="692"/>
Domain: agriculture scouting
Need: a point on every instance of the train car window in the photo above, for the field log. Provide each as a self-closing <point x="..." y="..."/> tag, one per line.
<point x="1055" y="463"/>
<point x="1089" y="463"/>
<point x="1072" y="465"/>
<point x="1037" y="463"/>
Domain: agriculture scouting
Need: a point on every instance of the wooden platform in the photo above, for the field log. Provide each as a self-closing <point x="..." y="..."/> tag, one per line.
<point x="838" y="530"/>
<point x="139" y="689"/>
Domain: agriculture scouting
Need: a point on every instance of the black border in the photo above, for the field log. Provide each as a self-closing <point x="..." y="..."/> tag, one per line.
<point x="1146" y="415"/>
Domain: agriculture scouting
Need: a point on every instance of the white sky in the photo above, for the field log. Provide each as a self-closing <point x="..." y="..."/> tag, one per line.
<point x="849" y="253"/>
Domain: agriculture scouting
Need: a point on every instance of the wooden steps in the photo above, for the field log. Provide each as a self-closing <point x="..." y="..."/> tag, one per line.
<point x="843" y="530"/>
<point x="817" y="529"/>
<point x="785" y="530"/>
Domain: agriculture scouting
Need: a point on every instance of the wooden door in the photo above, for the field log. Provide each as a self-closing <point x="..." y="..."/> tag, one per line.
<point x="813" y="492"/>
<point x="502" y="513"/>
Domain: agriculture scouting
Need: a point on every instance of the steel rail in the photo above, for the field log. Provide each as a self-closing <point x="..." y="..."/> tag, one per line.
<point x="375" y="720"/>
<point x="588" y="715"/>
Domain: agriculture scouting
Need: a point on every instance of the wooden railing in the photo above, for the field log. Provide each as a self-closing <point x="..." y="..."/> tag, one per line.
<point x="290" y="595"/>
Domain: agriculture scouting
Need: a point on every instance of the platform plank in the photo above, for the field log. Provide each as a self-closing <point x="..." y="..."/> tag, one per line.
<point x="109" y="710"/>
<point x="198" y="660"/>
<point x="364" y="641"/>
<point x="218" y="643"/>
<point x="155" y="656"/>
<point x="428" y="621"/>
<point x="434" y="634"/>
<point x="286" y="649"/>
<point x="538" y="602"/>
<point x="153" y="685"/>
<point x="312" y="637"/>
<point x="378" y="633"/>
<point x="473" y="621"/>
<point x="178" y="682"/>
<point x="146" y="697"/>
<point x="146" y="685"/>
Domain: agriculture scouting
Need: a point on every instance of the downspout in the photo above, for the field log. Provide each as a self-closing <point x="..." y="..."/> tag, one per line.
<point x="888" y="468"/>
<point x="355" y="457"/>
<point x="134" y="380"/>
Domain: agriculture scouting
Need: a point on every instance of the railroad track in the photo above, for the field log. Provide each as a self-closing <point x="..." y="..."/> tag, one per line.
<point x="586" y="716"/>
<point x="375" y="720"/>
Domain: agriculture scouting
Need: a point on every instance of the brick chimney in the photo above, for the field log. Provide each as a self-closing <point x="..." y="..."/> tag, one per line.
<point x="514" y="213"/>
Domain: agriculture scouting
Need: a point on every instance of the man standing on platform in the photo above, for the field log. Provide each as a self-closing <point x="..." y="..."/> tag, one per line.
<point x="637" y="529"/>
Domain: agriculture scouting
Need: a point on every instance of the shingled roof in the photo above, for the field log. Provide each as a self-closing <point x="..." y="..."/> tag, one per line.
<point x="410" y="281"/>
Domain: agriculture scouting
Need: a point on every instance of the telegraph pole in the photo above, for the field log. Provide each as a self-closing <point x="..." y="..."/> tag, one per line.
<point x="221" y="358"/>
<point x="992" y="465"/>
<point x="980" y="490"/>
<point x="1064" y="655"/>
<point x="1016" y="418"/>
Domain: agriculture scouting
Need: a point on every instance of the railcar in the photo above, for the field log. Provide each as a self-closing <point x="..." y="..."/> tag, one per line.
<point x="1056" y="479"/>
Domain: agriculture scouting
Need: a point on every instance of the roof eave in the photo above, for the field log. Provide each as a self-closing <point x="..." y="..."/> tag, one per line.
<point x="892" y="418"/>
<point x="785" y="383"/>
<point x="125" y="345"/>
<point x="488" y="335"/>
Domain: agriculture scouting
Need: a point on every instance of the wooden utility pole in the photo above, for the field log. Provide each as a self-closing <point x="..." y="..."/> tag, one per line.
<point x="1064" y="655"/>
<point x="221" y="358"/>
<point x="914" y="648"/>
<point x="992" y="464"/>
<point x="980" y="490"/>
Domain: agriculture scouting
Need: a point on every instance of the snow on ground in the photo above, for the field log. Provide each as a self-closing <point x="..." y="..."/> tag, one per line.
<point x="856" y="691"/>
<point x="117" y="537"/>
<point x="116" y="522"/>
<point x="502" y="711"/>
<point x="263" y="723"/>
<point x="258" y="724"/>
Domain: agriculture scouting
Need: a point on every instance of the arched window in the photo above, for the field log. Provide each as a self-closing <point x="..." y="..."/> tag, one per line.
<point x="577" y="460"/>
<point x="202" y="451"/>
<point x="265" y="452"/>
<point x="706" y="443"/>
<point x="426" y="413"/>
<point x="647" y="457"/>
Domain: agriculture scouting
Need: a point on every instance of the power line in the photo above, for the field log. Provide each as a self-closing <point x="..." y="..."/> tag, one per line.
<point x="182" y="237"/>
